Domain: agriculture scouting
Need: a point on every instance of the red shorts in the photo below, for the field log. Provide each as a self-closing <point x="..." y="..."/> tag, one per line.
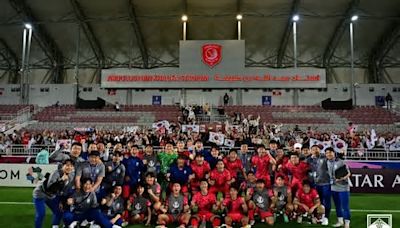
<point x="142" y="216"/>
<point x="264" y="214"/>
<point x="205" y="214"/>
<point x="172" y="218"/>
<point x="236" y="217"/>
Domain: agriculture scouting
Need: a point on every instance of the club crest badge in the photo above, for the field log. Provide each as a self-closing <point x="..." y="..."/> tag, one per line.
<point x="211" y="54"/>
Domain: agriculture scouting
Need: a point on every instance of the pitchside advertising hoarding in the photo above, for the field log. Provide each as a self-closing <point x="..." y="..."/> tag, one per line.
<point x="362" y="180"/>
<point x="23" y="175"/>
<point x="213" y="64"/>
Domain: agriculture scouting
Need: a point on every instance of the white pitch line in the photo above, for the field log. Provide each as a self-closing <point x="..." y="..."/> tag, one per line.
<point x="384" y="211"/>
<point x="16" y="203"/>
<point x="333" y="209"/>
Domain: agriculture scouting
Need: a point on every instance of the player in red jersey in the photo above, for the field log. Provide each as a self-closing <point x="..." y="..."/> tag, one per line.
<point x="260" y="203"/>
<point x="220" y="179"/>
<point x="307" y="204"/>
<point x="201" y="169"/>
<point x="298" y="171"/>
<point x="281" y="160"/>
<point x="261" y="163"/>
<point x="204" y="202"/>
<point x="175" y="209"/>
<point x="235" y="207"/>
<point x="234" y="165"/>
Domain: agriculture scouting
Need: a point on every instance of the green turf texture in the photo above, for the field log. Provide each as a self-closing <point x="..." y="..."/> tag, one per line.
<point x="22" y="216"/>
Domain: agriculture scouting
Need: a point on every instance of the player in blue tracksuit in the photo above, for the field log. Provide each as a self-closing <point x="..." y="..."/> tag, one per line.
<point x="320" y="178"/>
<point x="49" y="192"/>
<point x="134" y="168"/>
<point x="180" y="173"/>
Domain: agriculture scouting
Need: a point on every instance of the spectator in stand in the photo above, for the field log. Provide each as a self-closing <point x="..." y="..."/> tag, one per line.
<point x="117" y="106"/>
<point x="389" y="101"/>
<point x="42" y="157"/>
<point x="226" y="99"/>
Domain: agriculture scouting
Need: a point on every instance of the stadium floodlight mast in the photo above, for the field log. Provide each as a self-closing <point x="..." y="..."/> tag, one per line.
<point x="295" y="19"/>
<point x="28" y="26"/>
<point x="184" y="19"/>
<point x="239" y="18"/>
<point x="352" y="87"/>
<point x="26" y="50"/>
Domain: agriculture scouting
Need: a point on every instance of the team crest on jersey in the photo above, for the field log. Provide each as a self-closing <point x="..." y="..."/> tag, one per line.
<point x="97" y="170"/>
<point x="118" y="171"/>
<point x="175" y="205"/>
<point x="138" y="206"/>
<point x="211" y="54"/>
<point x="260" y="201"/>
<point x="88" y="201"/>
<point x="118" y="205"/>
<point x="151" y="163"/>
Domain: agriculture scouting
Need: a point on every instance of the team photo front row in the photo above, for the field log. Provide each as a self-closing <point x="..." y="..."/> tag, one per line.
<point x="196" y="188"/>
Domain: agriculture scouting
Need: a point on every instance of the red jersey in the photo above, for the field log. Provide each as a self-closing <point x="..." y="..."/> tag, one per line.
<point x="220" y="178"/>
<point x="298" y="171"/>
<point x="234" y="206"/>
<point x="200" y="171"/>
<point x="233" y="167"/>
<point x="262" y="165"/>
<point x="307" y="199"/>
<point x="204" y="202"/>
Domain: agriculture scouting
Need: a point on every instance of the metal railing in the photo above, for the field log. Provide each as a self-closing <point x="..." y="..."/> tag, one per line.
<point x="21" y="116"/>
<point x="352" y="154"/>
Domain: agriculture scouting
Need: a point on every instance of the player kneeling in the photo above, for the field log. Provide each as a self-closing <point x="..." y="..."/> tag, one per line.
<point x="281" y="199"/>
<point x="176" y="209"/>
<point x="83" y="206"/>
<point x="113" y="206"/>
<point x="236" y="208"/>
<point x="260" y="204"/>
<point x="139" y="208"/>
<point x="204" y="202"/>
<point x="308" y="205"/>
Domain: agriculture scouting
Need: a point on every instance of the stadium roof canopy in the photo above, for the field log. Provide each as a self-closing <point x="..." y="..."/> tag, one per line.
<point x="146" y="33"/>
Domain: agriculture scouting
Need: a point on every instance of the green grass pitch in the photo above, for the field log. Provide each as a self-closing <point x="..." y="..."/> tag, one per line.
<point x="16" y="215"/>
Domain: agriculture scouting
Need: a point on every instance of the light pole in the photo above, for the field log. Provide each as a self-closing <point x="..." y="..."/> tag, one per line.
<point x="239" y="18"/>
<point x="26" y="50"/>
<point x="352" y="87"/>
<point x="295" y="19"/>
<point x="184" y="19"/>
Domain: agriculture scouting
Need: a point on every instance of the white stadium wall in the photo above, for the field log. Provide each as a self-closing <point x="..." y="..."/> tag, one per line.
<point x="49" y="94"/>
